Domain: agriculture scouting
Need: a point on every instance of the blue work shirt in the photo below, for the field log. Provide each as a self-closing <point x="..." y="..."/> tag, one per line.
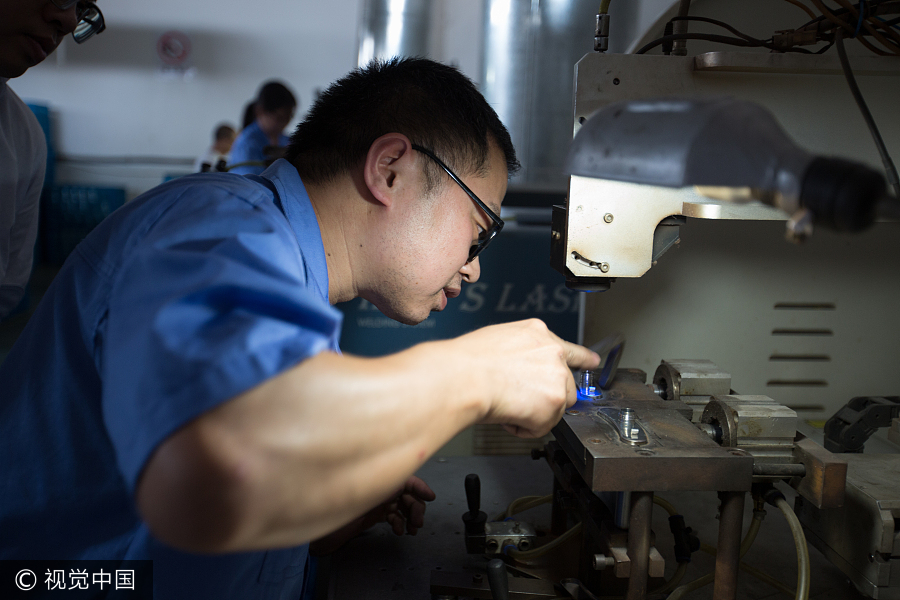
<point x="185" y="297"/>
<point x="249" y="146"/>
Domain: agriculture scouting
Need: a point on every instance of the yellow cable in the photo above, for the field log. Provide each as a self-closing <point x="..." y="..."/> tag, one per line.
<point x="527" y="502"/>
<point x="666" y="505"/>
<point x="803" y="570"/>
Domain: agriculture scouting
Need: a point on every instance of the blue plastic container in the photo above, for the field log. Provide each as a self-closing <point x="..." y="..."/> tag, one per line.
<point x="69" y="213"/>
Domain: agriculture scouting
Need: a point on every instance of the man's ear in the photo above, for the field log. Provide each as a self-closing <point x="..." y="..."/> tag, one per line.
<point x="388" y="163"/>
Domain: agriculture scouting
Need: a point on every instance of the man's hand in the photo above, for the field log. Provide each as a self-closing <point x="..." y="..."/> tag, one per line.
<point x="404" y="509"/>
<point x="527" y="372"/>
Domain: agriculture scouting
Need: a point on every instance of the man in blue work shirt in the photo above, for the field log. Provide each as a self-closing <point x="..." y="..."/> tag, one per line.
<point x="179" y="395"/>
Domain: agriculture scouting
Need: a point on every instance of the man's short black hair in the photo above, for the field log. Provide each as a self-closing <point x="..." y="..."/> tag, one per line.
<point x="274" y="95"/>
<point x="433" y="104"/>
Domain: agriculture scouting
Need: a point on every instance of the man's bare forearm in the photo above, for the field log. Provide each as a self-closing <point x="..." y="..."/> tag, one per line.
<point x="305" y="453"/>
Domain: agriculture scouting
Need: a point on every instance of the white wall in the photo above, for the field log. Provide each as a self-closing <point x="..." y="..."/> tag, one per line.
<point x="111" y="97"/>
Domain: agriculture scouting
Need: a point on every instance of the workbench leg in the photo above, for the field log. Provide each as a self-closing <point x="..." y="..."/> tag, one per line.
<point x="639" y="544"/>
<point x="559" y="518"/>
<point x="728" y="552"/>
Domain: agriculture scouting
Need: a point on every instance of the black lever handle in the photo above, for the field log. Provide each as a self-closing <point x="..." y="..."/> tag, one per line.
<point x="473" y="493"/>
<point x="497" y="579"/>
<point x="475" y="519"/>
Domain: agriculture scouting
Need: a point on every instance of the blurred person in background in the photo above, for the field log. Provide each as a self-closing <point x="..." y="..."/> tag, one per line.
<point x="223" y="138"/>
<point x="249" y="115"/>
<point x="261" y="142"/>
<point x="30" y="30"/>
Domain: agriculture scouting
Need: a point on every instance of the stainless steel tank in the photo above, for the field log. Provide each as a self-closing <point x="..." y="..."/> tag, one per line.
<point x="530" y="48"/>
<point x="530" y="51"/>
<point x="394" y="28"/>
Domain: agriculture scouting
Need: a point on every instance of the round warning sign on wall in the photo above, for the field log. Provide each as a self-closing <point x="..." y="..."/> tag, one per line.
<point x="173" y="48"/>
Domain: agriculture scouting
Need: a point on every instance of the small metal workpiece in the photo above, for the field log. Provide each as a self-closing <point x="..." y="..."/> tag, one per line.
<point x="625" y="422"/>
<point x="587" y="385"/>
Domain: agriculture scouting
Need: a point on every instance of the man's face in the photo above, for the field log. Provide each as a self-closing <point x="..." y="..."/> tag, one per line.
<point x="29" y="31"/>
<point x="426" y="255"/>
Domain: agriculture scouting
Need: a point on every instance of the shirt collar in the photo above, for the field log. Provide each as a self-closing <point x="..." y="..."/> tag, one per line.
<point x="300" y="214"/>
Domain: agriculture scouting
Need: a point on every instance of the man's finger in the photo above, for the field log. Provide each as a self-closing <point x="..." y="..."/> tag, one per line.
<point x="417" y="514"/>
<point x="396" y="523"/>
<point x="579" y="357"/>
<point x="571" y="391"/>
<point x="419" y="489"/>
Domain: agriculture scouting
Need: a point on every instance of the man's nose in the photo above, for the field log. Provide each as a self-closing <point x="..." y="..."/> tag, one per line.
<point x="66" y="19"/>
<point x="471" y="271"/>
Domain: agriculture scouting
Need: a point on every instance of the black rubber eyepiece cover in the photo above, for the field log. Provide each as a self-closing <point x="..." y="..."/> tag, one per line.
<point x="842" y="195"/>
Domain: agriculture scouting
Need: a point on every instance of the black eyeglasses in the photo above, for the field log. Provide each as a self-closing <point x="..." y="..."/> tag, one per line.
<point x="90" y="19"/>
<point x="486" y="235"/>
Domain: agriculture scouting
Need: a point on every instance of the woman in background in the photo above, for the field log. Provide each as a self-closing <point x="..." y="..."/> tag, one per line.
<point x="260" y="143"/>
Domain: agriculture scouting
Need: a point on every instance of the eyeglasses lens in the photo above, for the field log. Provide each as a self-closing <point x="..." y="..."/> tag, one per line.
<point x="90" y="19"/>
<point x="90" y="22"/>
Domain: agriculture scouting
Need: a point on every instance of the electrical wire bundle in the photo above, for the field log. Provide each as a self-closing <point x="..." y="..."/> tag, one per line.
<point x="860" y="21"/>
<point x="865" y="21"/>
